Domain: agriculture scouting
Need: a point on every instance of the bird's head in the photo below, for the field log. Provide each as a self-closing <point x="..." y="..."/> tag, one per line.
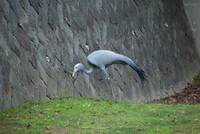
<point x="77" y="68"/>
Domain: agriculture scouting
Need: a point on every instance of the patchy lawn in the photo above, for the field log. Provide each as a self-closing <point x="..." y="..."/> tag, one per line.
<point x="85" y="115"/>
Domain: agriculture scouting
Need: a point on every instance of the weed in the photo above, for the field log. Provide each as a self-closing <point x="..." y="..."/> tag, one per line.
<point x="197" y="77"/>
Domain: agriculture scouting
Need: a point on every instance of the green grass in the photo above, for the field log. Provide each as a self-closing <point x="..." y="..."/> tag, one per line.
<point x="196" y="77"/>
<point x="85" y="115"/>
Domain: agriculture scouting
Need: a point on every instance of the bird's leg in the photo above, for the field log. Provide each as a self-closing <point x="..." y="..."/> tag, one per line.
<point x="104" y="70"/>
<point x="112" y="91"/>
<point x="100" y="96"/>
<point x="100" y="90"/>
<point x="107" y="76"/>
<point x="101" y="75"/>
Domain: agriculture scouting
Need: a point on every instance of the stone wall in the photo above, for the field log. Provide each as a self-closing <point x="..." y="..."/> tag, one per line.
<point x="192" y="9"/>
<point x="41" y="41"/>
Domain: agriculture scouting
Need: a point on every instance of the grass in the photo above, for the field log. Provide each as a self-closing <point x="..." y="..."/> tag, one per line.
<point x="196" y="78"/>
<point x="85" y="115"/>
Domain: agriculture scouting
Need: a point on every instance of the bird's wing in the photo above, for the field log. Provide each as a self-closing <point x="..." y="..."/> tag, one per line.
<point x="132" y="64"/>
<point x="105" y="58"/>
<point x="101" y="58"/>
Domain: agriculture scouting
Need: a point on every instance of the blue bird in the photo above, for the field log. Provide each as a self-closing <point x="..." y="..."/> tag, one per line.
<point x="104" y="58"/>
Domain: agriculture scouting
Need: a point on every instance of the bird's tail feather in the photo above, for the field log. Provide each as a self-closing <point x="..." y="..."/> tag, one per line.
<point x="139" y="71"/>
<point x="142" y="75"/>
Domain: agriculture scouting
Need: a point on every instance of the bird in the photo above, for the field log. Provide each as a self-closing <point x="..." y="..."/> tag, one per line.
<point x="102" y="59"/>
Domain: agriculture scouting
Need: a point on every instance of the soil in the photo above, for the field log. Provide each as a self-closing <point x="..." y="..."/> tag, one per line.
<point x="189" y="95"/>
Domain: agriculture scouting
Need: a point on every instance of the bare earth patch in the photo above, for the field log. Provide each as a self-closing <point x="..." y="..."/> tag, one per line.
<point x="189" y="95"/>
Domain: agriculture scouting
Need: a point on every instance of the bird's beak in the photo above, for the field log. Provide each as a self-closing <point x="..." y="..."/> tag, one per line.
<point x="74" y="73"/>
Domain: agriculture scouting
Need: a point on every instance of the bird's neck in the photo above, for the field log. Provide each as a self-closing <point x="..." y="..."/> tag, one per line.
<point x="88" y="71"/>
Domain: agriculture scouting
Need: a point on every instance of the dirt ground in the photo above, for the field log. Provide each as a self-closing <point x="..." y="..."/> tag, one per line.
<point x="189" y="95"/>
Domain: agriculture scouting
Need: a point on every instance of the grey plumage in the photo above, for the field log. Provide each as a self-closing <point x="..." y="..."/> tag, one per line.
<point x="104" y="58"/>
